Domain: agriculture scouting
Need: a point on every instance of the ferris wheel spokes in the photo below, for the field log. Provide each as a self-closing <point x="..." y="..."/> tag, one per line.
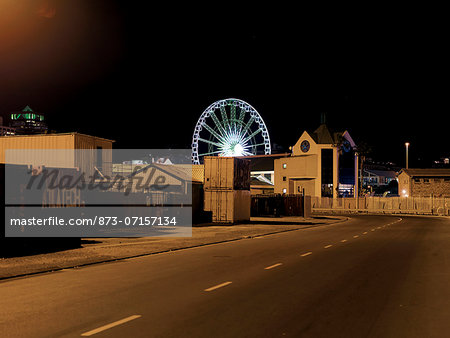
<point x="230" y="135"/>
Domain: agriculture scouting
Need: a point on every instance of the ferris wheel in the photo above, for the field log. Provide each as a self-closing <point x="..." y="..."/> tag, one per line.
<point x="240" y="131"/>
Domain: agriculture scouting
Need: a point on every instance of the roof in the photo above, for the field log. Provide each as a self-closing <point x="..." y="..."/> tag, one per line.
<point x="384" y="173"/>
<point x="430" y="172"/>
<point x="59" y="134"/>
<point x="257" y="181"/>
<point x="323" y="135"/>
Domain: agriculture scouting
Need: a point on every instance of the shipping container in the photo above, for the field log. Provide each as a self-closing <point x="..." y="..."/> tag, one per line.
<point x="226" y="173"/>
<point x="228" y="206"/>
<point x="32" y="149"/>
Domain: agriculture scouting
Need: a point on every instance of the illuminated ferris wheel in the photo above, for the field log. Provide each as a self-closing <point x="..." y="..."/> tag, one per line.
<point x="229" y="127"/>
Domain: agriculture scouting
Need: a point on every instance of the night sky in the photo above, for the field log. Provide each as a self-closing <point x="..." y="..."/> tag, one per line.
<point x="143" y="75"/>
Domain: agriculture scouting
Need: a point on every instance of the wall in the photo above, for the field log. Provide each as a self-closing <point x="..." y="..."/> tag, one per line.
<point x="297" y="167"/>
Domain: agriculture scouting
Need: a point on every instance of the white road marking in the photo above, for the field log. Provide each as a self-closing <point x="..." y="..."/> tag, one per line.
<point x="356" y="236"/>
<point x="344" y="240"/>
<point x="212" y="288"/>
<point x="273" y="266"/>
<point x="365" y="233"/>
<point x="108" y="326"/>
<point x="372" y="230"/>
<point x="328" y="246"/>
<point x="306" y="254"/>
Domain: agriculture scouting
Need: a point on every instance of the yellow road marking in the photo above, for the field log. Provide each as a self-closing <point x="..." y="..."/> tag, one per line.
<point x="328" y="246"/>
<point x="273" y="266"/>
<point x="212" y="288"/>
<point x="306" y="254"/>
<point x="356" y="236"/>
<point x="344" y="240"/>
<point x="108" y="326"/>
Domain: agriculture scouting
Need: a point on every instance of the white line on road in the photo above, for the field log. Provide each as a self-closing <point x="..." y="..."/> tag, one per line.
<point x="273" y="266"/>
<point x="212" y="288"/>
<point x="365" y="233"/>
<point x="306" y="254"/>
<point x="328" y="246"/>
<point x="344" y="240"/>
<point x="356" y="236"/>
<point x="108" y="326"/>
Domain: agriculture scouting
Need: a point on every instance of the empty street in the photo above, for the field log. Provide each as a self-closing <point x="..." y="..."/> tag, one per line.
<point x="370" y="276"/>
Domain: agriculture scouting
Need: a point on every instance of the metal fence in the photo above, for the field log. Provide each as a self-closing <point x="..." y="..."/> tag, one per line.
<point x="408" y="205"/>
<point x="277" y="205"/>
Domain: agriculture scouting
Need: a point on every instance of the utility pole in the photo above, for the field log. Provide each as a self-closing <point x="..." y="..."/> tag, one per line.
<point x="407" y="147"/>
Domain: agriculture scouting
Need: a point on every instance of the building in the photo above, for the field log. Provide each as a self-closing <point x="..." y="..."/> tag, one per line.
<point x="60" y="151"/>
<point x="262" y="172"/>
<point x="378" y="178"/>
<point x="424" y="182"/>
<point x="27" y="122"/>
<point x="323" y="163"/>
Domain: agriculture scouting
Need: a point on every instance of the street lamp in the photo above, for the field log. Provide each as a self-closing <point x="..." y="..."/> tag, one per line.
<point x="407" y="146"/>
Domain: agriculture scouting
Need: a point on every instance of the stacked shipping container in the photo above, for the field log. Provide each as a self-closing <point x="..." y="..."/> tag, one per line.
<point x="227" y="188"/>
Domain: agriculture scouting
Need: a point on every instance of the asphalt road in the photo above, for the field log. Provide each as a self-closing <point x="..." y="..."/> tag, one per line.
<point x="371" y="276"/>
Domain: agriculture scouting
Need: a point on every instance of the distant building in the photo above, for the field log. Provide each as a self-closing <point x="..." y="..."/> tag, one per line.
<point x="262" y="172"/>
<point x="4" y="130"/>
<point x="424" y="182"/>
<point x="323" y="164"/>
<point x="378" y="178"/>
<point x="27" y="122"/>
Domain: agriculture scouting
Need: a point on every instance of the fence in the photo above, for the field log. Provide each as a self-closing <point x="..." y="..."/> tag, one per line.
<point x="408" y="205"/>
<point x="277" y="205"/>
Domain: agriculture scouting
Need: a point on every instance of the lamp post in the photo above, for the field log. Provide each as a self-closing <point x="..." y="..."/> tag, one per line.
<point x="407" y="147"/>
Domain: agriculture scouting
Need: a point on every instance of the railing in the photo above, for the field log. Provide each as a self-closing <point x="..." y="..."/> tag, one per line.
<point x="410" y="205"/>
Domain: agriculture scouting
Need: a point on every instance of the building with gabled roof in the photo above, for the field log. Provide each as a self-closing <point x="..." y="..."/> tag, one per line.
<point x="322" y="163"/>
<point x="424" y="182"/>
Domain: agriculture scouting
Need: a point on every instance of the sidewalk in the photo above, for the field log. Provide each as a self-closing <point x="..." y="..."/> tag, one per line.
<point x="98" y="250"/>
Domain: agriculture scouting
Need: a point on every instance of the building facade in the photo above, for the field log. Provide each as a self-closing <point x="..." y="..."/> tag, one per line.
<point x="322" y="164"/>
<point x="424" y="182"/>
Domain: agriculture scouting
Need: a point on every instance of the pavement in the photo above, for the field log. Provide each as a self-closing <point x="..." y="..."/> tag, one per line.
<point x="369" y="276"/>
<point x="100" y="250"/>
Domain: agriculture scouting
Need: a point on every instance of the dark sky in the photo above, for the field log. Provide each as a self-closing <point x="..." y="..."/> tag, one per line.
<point x="143" y="75"/>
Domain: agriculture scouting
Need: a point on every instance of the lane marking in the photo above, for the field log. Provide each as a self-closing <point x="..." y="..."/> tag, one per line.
<point x="111" y="325"/>
<point x="344" y="240"/>
<point x="306" y="254"/>
<point x="365" y="233"/>
<point x="273" y="266"/>
<point x="378" y="227"/>
<point x="328" y="246"/>
<point x="212" y="288"/>
<point x="372" y="230"/>
<point x="356" y="236"/>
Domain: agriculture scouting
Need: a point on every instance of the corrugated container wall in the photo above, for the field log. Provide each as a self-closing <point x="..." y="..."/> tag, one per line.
<point x="228" y="206"/>
<point x="226" y="173"/>
<point x="83" y="160"/>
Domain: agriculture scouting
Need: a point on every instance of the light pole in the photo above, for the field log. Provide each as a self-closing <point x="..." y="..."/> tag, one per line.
<point x="407" y="147"/>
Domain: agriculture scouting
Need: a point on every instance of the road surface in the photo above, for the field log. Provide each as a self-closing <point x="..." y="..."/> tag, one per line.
<point x="371" y="276"/>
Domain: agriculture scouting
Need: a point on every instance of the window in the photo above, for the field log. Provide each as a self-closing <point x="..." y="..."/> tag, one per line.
<point x="426" y="180"/>
<point x="284" y="178"/>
